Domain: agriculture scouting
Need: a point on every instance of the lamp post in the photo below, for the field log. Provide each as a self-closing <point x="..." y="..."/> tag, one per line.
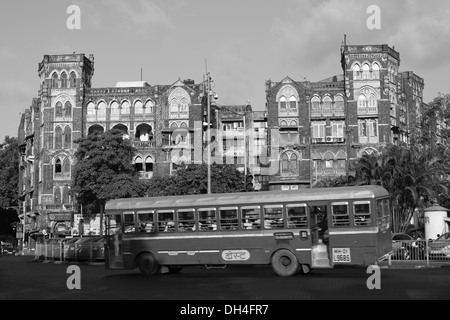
<point x="208" y="91"/>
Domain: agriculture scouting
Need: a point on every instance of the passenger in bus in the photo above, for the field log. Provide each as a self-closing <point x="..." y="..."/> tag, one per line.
<point x="169" y="226"/>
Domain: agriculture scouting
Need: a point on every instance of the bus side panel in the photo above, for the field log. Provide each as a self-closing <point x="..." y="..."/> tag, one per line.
<point x="213" y="248"/>
<point x="357" y="248"/>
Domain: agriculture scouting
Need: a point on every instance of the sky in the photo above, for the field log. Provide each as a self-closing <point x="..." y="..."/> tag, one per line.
<point x="242" y="43"/>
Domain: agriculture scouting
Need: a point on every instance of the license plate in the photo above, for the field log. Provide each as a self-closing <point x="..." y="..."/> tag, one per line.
<point x="341" y="255"/>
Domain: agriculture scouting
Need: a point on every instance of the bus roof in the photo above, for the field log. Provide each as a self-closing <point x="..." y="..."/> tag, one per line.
<point x="233" y="199"/>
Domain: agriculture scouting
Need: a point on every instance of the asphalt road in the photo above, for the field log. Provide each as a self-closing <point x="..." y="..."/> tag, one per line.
<point x="21" y="278"/>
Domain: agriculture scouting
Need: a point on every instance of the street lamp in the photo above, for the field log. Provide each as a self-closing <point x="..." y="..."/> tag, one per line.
<point x="208" y="93"/>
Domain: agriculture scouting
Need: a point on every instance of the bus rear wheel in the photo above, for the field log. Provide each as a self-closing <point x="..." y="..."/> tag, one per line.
<point x="285" y="263"/>
<point x="148" y="264"/>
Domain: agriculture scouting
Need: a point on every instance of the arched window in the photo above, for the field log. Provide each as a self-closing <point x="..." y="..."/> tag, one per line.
<point x="58" y="109"/>
<point x="63" y="80"/>
<point x="283" y="102"/>
<point x="327" y="103"/>
<point x="362" y="101"/>
<point x="95" y="129"/>
<point x="183" y="105"/>
<point x="149" y="107"/>
<point x="91" y="112"/>
<point x="174" y="125"/>
<point x="372" y="101"/>
<point x="149" y="164"/>
<point x="58" y="166"/>
<point x="292" y="102"/>
<point x="67" y="109"/>
<point x="67" y="137"/>
<point x="283" y="123"/>
<point x="366" y="71"/>
<point x="376" y="71"/>
<point x="138" y="164"/>
<point x="54" y="80"/>
<point x="66" y="168"/>
<point x="115" y="111"/>
<point x="125" y="108"/>
<point x="339" y="103"/>
<point x="289" y="163"/>
<point x="57" y="196"/>
<point x="101" y="111"/>
<point x="138" y="108"/>
<point x="58" y="137"/>
<point x="315" y="103"/>
<point x="73" y="79"/>
<point x="356" y="71"/>
<point x="174" y="106"/>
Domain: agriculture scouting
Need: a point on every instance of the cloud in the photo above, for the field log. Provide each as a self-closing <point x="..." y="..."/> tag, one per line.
<point x="140" y="14"/>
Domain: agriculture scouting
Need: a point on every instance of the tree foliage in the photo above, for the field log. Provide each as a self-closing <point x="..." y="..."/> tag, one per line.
<point x="9" y="172"/>
<point x="192" y="179"/>
<point x="104" y="170"/>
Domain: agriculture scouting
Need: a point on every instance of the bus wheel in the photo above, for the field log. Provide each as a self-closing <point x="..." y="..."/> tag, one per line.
<point x="148" y="265"/>
<point x="174" y="269"/>
<point x="285" y="263"/>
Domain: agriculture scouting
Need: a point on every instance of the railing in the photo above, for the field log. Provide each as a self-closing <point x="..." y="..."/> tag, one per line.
<point x="327" y="113"/>
<point x="87" y="252"/>
<point x="420" y="250"/>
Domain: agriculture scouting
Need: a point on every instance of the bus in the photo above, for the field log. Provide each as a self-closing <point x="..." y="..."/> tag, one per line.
<point x="292" y="231"/>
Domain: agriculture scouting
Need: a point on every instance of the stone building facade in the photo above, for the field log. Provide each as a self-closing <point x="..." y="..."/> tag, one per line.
<point x="307" y="132"/>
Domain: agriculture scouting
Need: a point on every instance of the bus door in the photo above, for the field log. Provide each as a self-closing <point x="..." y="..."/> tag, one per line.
<point x="318" y="217"/>
<point x="113" y="244"/>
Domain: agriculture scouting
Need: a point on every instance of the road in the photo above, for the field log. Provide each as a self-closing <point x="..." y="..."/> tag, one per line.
<point x="21" y="278"/>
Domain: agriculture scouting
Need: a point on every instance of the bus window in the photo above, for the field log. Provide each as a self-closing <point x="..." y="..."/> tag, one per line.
<point x="228" y="218"/>
<point x="273" y="217"/>
<point x="251" y="218"/>
<point x="166" y="221"/>
<point x="128" y="222"/>
<point x="379" y="208"/>
<point x="186" y="220"/>
<point x="340" y="215"/>
<point x="146" y="221"/>
<point x="207" y="219"/>
<point x="296" y="216"/>
<point x="386" y="211"/>
<point x="361" y="210"/>
<point x="114" y="224"/>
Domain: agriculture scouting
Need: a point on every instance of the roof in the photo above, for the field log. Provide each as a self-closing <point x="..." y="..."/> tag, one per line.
<point x="131" y="84"/>
<point x="260" y="198"/>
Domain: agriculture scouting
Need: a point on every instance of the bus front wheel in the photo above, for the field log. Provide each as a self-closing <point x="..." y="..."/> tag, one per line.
<point x="148" y="264"/>
<point x="285" y="263"/>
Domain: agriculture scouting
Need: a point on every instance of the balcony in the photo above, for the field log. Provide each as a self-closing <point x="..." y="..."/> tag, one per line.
<point x="145" y="175"/>
<point x="144" y="144"/>
<point x="362" y="111"/>
<point x="321" y="113"/>
<point x="283" y="112"/>
<point x="179" y="115"/>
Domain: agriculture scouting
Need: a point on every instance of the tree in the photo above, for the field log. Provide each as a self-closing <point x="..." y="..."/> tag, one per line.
<point x="9" y="172"/>
<point x="192" y="179"/>
<point x="104" y="171"/>
<point x="9" y="186"/>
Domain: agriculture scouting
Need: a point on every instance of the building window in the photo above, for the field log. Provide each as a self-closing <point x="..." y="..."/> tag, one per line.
<point x="339" y="103"/>
<point x="138" y="108"/>
<point x="67" y="110"/>
<point x="115" y="110"/>
<point x="289" y="163"/>
<point x="366" y="71"/>
<point x="362" y="101"/>
<point x="292" y="102"/>
<point x="58" y="137"/>
<point x="54" y="80"/>
<point x="125" y="108"/>
<point x="283" y="102"/>
<point x="356" y="71"/>
<point x="67" y="137"/>
<point x="337" y="129"/>
<point x="73" y="79"/>
<point x="376" y="71"/>
<point x="318" y="130"/>
<point x="101" y="111"/>
<point x="66" y="168"/>
<point x="63" y="80"/>
<point x="327" y="103"/>
<point x="58" y="110"/>
<point x="58" y="167"/>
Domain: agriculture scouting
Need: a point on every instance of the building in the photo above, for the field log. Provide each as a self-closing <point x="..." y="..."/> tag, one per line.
<point x="307" y="132"/>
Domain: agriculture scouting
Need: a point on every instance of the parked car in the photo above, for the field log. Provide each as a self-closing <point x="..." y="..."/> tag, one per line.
<point x="98" y="250"/>
<point x="440" y="248"/>
<point x="58" y="248"/>
<point x="72" y="248"/>
<point x="69" y="249"/>
<point x="87" y="249"/>
<point x="7" y="248"/>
